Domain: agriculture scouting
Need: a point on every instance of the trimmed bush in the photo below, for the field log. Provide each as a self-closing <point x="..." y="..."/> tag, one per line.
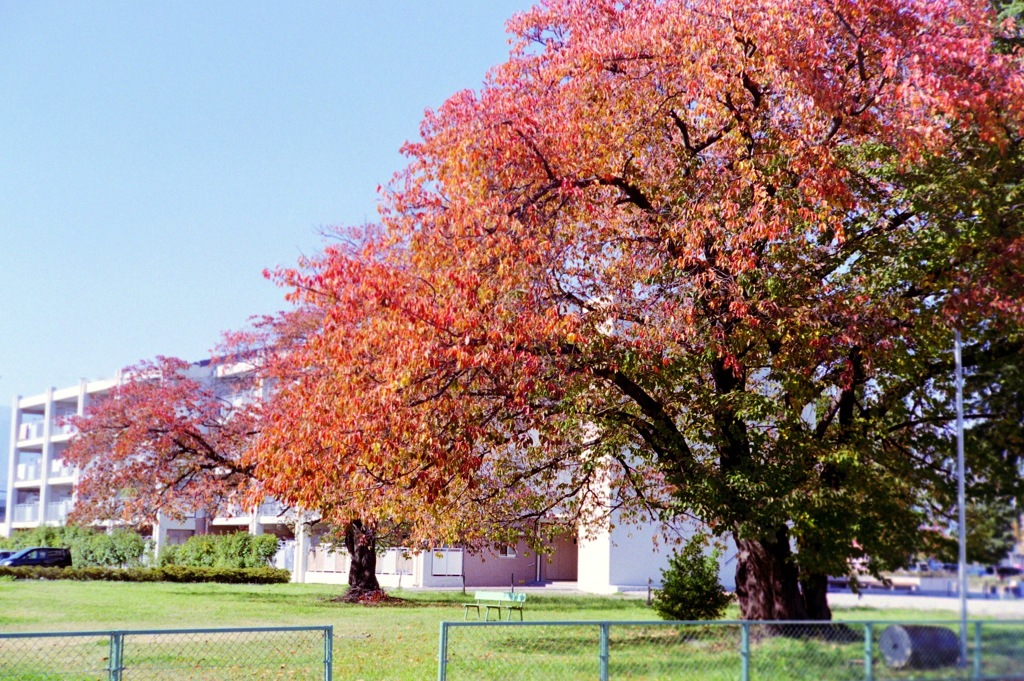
<point x="690" y="588"/>
<point x="235" y="550"/>
<point x="171" y="573"/>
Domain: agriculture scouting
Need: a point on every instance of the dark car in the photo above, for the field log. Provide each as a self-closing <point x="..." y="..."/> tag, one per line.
<point x="39" y="557"/>
<point x="6" y="554"/>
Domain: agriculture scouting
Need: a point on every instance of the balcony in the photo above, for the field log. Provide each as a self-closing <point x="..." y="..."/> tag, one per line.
<point x="58" y="510"/>
<point x="271" y="508"/>
<point x="28" y="472"/>
<point x="59" y="429"/>
<point x="32" y="430"/>
<point x="26" y="513"/>
<point x="35" y="430"/>
<point x="59" y="470"/>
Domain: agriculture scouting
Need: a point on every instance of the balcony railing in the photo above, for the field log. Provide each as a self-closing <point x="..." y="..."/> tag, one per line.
<point x="33" y="430"/>
<point x="28" y="472"/>
<point x="58" y="510"/>
<point x="59" y="428"/>
<point x="271" y="508"/>
<point x="59" y="470"/>
<point x="26" y="513"/>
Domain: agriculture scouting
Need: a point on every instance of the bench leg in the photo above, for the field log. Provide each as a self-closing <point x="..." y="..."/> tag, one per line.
<point x="467" y="606"/>
<point x="487" y="612"/>
<point x="508" y="617"/>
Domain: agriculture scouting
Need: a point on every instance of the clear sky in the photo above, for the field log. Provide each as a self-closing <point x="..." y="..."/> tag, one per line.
<point x="155" y="157"/>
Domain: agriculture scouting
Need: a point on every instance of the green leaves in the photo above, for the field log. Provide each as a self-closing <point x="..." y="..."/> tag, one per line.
<point x="690" y="587"/>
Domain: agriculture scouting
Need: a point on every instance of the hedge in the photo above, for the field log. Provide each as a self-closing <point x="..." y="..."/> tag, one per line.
<point x="169" y="573"/>
<point x="120" y="547"/>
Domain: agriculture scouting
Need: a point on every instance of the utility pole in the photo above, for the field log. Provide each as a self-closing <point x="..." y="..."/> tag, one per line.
<point x="962" y="521"/>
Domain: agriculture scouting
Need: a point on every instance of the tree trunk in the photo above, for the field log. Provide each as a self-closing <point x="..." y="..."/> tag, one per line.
<point x="767" y="581"/>
<point x="361" y="543"/>
<point x="815" y="590"/>
<point x="770" y="587"/>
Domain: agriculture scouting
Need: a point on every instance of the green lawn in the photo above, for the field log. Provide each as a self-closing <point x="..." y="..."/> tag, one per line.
<point x="401" y="641"/>
<point x="378" y="642"/>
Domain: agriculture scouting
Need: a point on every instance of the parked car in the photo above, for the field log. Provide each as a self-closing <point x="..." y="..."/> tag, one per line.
<point x="6" y="554"/>
<point x="39" y="556"/>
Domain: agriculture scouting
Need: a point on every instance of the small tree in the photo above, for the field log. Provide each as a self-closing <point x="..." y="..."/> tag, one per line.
<point x="690" y="588"/>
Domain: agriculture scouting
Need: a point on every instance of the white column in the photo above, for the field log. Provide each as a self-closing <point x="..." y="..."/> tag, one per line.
<point x="301" y="549"/>
<point x="12" y="460"/>
<point x="44" y="481"/>
<point x="83" y="404"/>
<point x="255" y="526"/>
<point x="159" y="537"/>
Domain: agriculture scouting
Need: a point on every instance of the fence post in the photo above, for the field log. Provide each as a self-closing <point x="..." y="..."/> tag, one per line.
<point x="604" y="650"/>
<point x="869" y="655"/>
<point x="442" y="654"/>
<point x="745" y="651"/>
<point x="116" y="655"/>
<point x="328" y="652"/>
<point x="977" y="650"/>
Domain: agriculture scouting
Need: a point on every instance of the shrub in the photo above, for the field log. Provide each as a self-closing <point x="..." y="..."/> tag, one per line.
<point x="197" y="551"/>
<point x="89" y="547"/>
<point x="172" y="573"/>
<point x="235" y="550"/>
<point x="168" y="555"/>
<point x="690" y="588"/>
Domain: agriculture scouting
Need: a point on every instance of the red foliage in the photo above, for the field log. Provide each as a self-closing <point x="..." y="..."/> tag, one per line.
<point x="167" y="438"/>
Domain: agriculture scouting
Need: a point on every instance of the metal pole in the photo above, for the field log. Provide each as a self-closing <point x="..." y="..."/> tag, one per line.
<point x="604" y="651"/>
<point x="442" y="654"/>
<point x="745" y="652"/>
<point x="116" y="655"/>
<point x="961" y="496"/>
<point x="869" y="654"/>
<point x="328" y="653"/>
<point x="977" y="650"/>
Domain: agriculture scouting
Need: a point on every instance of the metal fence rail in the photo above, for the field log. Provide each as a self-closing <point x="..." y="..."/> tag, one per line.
<point x="169" y="654"/>
<point x="731" y="651"/>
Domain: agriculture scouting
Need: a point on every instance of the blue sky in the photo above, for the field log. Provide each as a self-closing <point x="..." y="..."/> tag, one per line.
<point x="155" y="157"/>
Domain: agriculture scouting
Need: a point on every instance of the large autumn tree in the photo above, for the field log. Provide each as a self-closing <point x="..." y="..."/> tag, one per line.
<point x="687" y="258"/>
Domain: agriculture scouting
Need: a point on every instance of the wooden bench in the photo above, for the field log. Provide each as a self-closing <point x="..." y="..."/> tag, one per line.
<point x="496" y="600"/>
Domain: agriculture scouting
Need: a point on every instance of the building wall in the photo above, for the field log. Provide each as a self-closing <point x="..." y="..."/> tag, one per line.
<point x="594" y="570"/>
<point x="562" y="563"/>
<point x="632" y="557"/>
<point x="486" y="568"/>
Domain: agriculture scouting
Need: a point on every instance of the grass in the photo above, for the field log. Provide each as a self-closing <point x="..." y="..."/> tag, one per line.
<point x="376" y="642"/>
<point x="401" y="641"/>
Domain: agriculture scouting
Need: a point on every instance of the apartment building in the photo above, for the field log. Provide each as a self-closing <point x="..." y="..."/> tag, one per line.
<point x="40" y="487"/>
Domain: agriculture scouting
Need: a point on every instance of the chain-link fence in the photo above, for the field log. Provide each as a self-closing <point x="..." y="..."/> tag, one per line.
<point x="731" y="651"/>
<point x="291" y="653"/>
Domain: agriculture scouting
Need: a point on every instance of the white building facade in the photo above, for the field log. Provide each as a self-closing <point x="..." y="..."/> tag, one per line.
<point x="40" y="487"/>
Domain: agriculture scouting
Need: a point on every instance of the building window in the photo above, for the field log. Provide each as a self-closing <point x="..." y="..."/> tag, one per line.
<point x="507" y="551"/>
<point x="178" y="537"/>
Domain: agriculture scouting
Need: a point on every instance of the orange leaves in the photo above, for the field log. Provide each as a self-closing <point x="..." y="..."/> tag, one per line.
<point x="651" y="188"/>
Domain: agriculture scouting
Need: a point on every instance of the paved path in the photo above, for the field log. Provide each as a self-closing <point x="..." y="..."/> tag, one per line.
<point x="976" y="607"/>
<point x="1003" y="609"/>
